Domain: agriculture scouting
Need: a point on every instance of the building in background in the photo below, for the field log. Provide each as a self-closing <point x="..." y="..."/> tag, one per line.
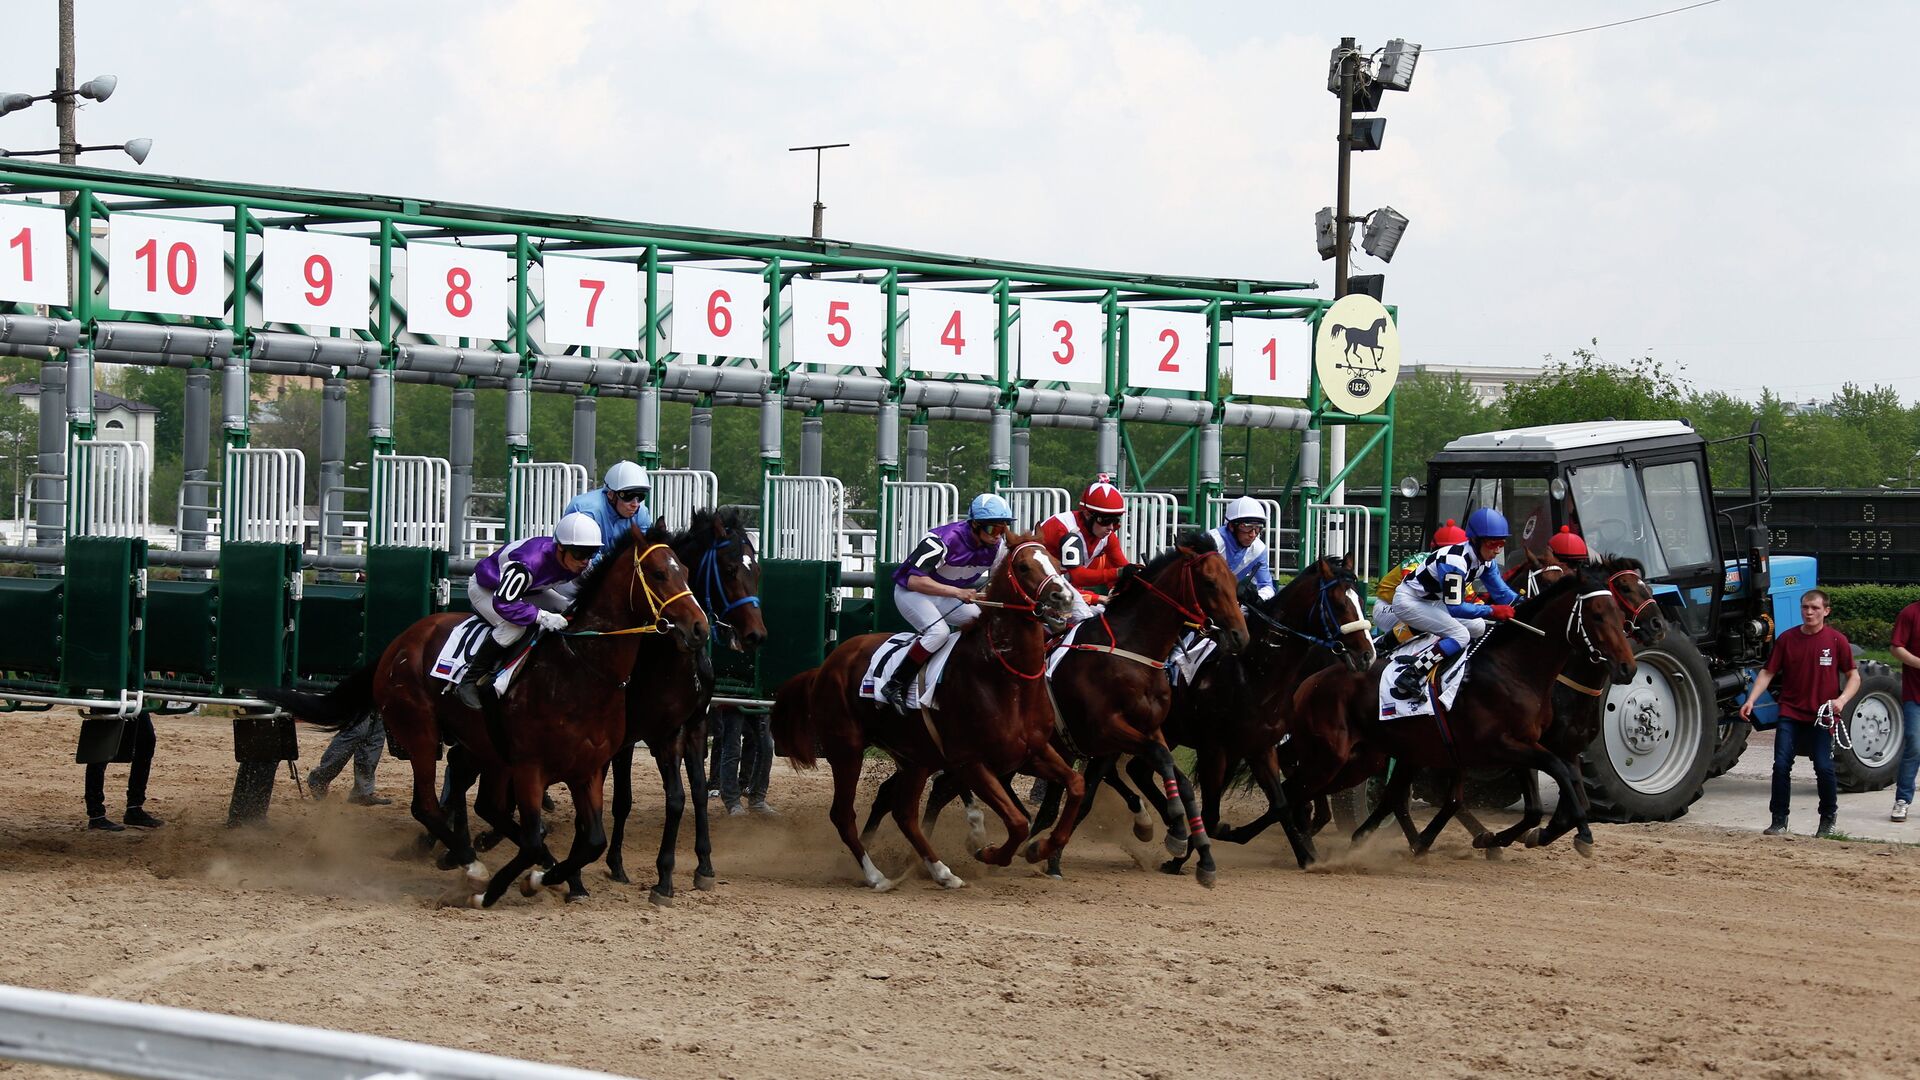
<point x="114" y="417"/>
<point x="1489" y="381"/>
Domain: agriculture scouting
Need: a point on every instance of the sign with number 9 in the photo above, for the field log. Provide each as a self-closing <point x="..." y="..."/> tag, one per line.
<point x="33" y="255"/>
<point x="315" y="279"/>
<point x="458" y="292"/>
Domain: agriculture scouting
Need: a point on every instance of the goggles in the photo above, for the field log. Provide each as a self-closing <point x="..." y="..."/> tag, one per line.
<point x="631" y="495"/>
<point x="1103" y="519"/>
<point x="583" y="554"/>
<point x="1255" y="524"/>
<point x="994" y="527"/>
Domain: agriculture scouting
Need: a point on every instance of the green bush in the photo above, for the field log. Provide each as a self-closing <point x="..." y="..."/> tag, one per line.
<point x="1867" y="633"/>
<point x="1877" y="602"/>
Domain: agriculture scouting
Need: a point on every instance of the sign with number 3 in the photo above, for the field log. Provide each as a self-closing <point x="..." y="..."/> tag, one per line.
<point x="458" y="292"/>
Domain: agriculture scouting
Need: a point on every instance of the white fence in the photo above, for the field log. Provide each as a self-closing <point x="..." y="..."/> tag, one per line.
<point x="677" y="493"/>
<point x="261" y="496"/>
<point x="110" y="483"/>
<point x="1216" y="512"/>
<point x="801" y="518"/>
<point x="537" y="493"/>
<point x="1151" y="524"/>
<point x="908" y="510"/>
<point x="1033" y="505"/>
<point x="411" y="501"/>
<point x="1341" y="529"/>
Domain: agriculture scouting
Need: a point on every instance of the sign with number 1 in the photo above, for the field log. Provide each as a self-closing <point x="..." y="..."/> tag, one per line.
<point x="33" y="254"/>
<point x="314" y="279"/>
<point x="458" y="292"/>
<point x="1271" y="357"/>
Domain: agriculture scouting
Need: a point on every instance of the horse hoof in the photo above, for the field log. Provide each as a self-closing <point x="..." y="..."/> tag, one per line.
<point x="884" y="885"/>
<point x="1176" y="867"/>
<point x="1583" y="847"/>
<point x="1143" y="831"/>
<point x="619" y="874"/>
<point x="477" y="871"/>
<point x="446" y="861"/>
<point x="1206" y="877"/>
<point x="1532" y="839"/>
<point x="477" y="901"/>
<point x="705" y="882"/>
<point x="1033" y="853"/>
<point x="577" y="897"/>
<point x="487" y="841"/>
<point x="1494" y="854"/>
<point x="530" y="883"/>
<point x="1176" y="845"/>
<point x="660" y="899"/>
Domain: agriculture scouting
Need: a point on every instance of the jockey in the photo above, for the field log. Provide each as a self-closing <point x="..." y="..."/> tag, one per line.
<point x="934" y="589"/>
<point x="1433" y="599"/>
<point x="1384" y="620"/>
<point x="1087" y="541"/>
<point x="620" y="504"/>
<point x="1238" y="538"/>
<point x="1567" y="547"/>
<point x="513" y="589"/>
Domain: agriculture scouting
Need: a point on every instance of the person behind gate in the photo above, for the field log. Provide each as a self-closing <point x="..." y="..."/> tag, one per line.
<point x="1807" y="661"/>
<point x="1433" y="599"/>
<point x="935" y="588"/>
<point x="513" y="589"/>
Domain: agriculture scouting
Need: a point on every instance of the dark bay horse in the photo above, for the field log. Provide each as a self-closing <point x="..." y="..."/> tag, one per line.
<point x="561" y="721"/>
<point x="671" y="689"/>
<point x="1497" y="721"/>
<point x="993" y="717"/>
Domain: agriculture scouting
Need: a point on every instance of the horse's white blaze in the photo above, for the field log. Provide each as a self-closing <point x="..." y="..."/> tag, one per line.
<point x="875" y="878"/>
<point x="940" y="873"/>
<point x="1360" y="621"/>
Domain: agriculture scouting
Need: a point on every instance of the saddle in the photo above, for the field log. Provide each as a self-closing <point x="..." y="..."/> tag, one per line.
<point x="888" y="657"/>
<point x="456" y="654"/>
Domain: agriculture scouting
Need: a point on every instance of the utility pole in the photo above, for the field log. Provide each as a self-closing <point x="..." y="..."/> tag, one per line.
<point x="819" y="208"/>
<point x="63" y="83"/>
<point x="1336" y="434"/>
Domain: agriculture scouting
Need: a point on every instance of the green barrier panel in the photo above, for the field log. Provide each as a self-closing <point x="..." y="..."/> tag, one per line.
<point x="103" y="614"/>
<point x="30" y="610"/>
<point x="886" y="618"/>
<point x="856" y="618"/>
<point x="259" y="606"/>
<point x="401" y="590"/>
<point x="332" y="629"/>
<point x="798" y="601"/>
<point x="183" y="622"/>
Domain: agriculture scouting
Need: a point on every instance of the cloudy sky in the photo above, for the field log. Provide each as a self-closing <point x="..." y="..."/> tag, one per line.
<point x="1731" y="189"/>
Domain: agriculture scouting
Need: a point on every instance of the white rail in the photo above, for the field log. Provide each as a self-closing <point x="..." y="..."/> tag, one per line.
<point x="908" y="509"/>
<point x="1033" y="505"/>
<point x="677" y="493"/>
<point x="1151" y="524"/>
<point x="537" y="492"/>
<point x="1341" y="529"/>
<point x="109" y="489"/>
<point x="801" y="518"/>
<point x="261" y="496"/>
<point x="412" y="501"/>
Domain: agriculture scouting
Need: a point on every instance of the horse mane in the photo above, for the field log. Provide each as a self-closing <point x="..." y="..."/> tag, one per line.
<point x="1620" y="564"/>
<point x="596" y="575"/>
<point x="1188" y="542"/>
<point x="702" y="526"/>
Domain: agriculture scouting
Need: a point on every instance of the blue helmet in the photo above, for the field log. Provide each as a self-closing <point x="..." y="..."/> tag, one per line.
<point x="989" y="507"/>
<point x="1486" y="523"/>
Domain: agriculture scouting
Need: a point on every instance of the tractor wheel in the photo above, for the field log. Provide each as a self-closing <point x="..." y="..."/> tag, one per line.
<point x="1657" y="736"/>
<point x="1873" y="720"/>
<point x="1732" y="742"/>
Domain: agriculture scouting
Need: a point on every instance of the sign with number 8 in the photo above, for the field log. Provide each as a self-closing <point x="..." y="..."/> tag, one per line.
<point x="458" y="292"/>
<point x="315" y="279"/>
<point x="33" y="262"/>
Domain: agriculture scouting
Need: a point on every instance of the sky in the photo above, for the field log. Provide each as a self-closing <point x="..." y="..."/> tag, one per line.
<point x="1729" y="189"/>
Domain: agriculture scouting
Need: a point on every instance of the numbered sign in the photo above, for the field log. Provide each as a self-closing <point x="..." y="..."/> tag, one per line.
<point x="1166" y="350"/>
<point x="838" y="323"/>
<point x="717" y="313"/>
<point x="952" y="333"/>
<point x="592" y="302"/>
<point x="1063" y="342"/>
<point x="314" y="279"/>
<point x="166" y="266"/>
<point x="33" y="262"/>
<point x="1271" y="357"/>
<point x="458" y="292"/>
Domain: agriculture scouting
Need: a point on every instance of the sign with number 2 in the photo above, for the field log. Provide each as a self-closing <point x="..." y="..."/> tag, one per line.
<point x="1166" y="350"/>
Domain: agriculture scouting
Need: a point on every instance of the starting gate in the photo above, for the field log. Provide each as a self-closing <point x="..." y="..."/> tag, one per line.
<point x="677" y="493"/>
<point x="1151" y="524"/>
<point x="1336" y="529"/>
<point x="1270" y="509"/>
<point x="1033" y="505"/>
<point x="537" y="494"/>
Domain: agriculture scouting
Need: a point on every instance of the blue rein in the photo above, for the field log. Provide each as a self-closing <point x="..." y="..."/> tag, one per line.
<point x="713" y="591"/>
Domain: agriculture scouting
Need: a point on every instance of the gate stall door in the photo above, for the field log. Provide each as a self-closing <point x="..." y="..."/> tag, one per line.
<point x="677" y="493"/>
<point x="1151" y="523"/>
<point x="1033" y="505"/>
<point x="801" y="522"/>
<point x="537" y="493"/>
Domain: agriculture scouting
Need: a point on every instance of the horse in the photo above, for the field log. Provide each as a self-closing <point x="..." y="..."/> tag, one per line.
<point x="994" y="716"/>
<point x="1498" y="720"/>
<point x="1357" y="338"/>
<point x="559" y="722"/>
<point x="668" y="697"/>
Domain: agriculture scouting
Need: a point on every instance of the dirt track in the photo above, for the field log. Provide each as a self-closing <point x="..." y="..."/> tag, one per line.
<point x="1675" y="951"/>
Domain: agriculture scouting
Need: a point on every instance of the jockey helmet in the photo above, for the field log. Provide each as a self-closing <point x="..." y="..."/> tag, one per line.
<point x="1567" y="544"/>
<point x="1245" y="508"/>
<point x="1449" y="534"/>
<point x="989" y="507"/>
<point x="1486" y="523"/>
<point x="627" y="476"/>
<point x="578" y="531"/>
<point x="1103" y="498"/>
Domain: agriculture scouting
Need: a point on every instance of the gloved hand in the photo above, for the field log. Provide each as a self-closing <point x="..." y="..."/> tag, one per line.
<point x="1092" y="597"/>
<point x="1501" y="612"/>
<point x="552" y="620"/>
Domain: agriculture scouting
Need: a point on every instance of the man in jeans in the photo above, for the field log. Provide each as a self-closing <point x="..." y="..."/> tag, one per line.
<point x="1906" y="649"/>
<point x="742" y="759"/>
<point x="1807" y="661"/>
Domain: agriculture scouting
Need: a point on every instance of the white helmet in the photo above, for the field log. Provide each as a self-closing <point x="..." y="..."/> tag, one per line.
<point x="626" y="476"/>
<point x="1245" y="507"/>
<point x="578" y="530"/>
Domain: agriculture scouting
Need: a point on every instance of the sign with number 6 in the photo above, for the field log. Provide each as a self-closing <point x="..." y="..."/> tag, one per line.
<point x="1166" y="350"/>
<point x="166" y="266"/>
<point x="1063" y="342"/>
<point x="592" y="302"/>
<point x="33" y="258"/>
<point x="837" y="322"/>
<point x="314" y="279"/>
<point x="1271" y="357"/>
<point x="717" y="313"/>
<point x="952" y="333"/>
<point x="458" y="292"/>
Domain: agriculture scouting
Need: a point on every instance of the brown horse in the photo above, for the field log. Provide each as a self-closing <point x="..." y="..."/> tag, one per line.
<point x="560" y="722"/>
<point x="1498" y="720"/>
<point x="993" y="716"/>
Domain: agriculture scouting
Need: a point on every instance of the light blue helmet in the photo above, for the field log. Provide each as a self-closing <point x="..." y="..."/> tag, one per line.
<point x="989" y="507"/>
<point x="1486" y="523"/>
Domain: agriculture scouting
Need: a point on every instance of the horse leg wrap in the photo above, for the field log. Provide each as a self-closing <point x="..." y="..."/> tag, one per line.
<point x="1197" y="828"/>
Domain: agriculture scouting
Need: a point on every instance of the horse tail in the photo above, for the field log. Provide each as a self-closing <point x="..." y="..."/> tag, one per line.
<point x="342" y="707"/>
<point x="792" y="721"/>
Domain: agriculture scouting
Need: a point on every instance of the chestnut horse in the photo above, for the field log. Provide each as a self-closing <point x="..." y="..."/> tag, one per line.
<point x="561" y="720"/>
<point x="1497" y="721"/>
<point x="993" y="717"/>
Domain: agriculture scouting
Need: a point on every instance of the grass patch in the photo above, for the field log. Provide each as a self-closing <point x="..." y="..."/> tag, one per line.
<point x="1849" y="838"/>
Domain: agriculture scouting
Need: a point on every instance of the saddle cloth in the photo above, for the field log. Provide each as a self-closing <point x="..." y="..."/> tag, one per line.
<point x="1185" y="662"/>
<point x="457" y="653"/>
<point x="888" y="657"/>
<point x="1393" y="708"/>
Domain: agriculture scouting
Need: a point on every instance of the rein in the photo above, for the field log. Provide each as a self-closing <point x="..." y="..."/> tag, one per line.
<point x="1323" y="611"/>
<point x="1631" y="611"/>
<point x="656" y="606"/>
<point x="1028" y="606"/>
<point x="1195" y="619"/>
<point x="713" y="588"/>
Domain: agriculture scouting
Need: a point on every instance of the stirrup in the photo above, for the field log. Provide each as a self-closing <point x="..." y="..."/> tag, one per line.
<point x="469" y="692"/>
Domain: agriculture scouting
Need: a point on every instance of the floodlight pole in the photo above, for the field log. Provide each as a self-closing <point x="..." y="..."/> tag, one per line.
<point x="63" y="105"/>
<point x="1336" y="434"/>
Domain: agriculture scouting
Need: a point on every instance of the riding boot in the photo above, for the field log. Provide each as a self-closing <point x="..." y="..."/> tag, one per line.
<point x="480" y="671"/>
<point x="895" y="691"/>
<point x="1406" y="686"/>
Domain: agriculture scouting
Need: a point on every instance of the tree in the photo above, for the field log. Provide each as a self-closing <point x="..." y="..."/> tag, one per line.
<point x="1430" y="411"/>
<point x="1589" y="387"/>
<point x="19" y="439"/>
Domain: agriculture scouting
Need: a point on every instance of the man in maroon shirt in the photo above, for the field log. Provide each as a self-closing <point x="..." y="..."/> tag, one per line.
<point x="1906" y="649"/>
<point x="1807" y="661"/>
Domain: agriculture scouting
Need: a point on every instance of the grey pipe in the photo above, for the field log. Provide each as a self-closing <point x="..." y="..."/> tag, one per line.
<point x="812" y="434"/>
<point x="916" y="468"/>
<point x="700" y="438"/>
<point x="586" y="426"/>
<point x="196" y="454"/>
<point x="646" y="437"/>
<point x="770" y="431"/>
<point x="162" y="339"/>
<point x="460" y="458"/>
<point x="1022" y="456"/>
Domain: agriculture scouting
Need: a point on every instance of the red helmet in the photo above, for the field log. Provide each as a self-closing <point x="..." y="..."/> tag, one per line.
<point x="1567" y="544"/>
<point x="1450" y="533"/>
<point x="1102" y="498"/>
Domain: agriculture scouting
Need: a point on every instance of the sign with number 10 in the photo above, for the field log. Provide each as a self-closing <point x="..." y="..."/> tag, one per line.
<point x="314" y="279"/>
<point x="458" y="292"/>
<point x="33" y="254"/>
<point x="166" y="266"/>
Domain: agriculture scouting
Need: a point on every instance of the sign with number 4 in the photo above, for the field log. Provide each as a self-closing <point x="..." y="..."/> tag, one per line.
<point x="952" y="333"/>
<point x="1166" y="350"/>
<point x="314" y="279"/>
<point x="33" y="260"/>
<point x="458" y="292"/>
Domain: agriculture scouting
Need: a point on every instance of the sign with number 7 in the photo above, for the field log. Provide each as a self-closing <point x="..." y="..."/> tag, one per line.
<point x="1166" y="350"/>
<point x="33" y="255"/>
<point x="592" y="302"/>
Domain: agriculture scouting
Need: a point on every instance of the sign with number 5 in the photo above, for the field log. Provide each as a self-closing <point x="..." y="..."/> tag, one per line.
<point x="166" y="265"/>
<point x="1063" y="342"/>
<point x="952" y="333"/>
<point x="1271" y="357"/>
<point x="717" y="313"/>
<point x="33" y="255"/>
<point x="458" y="292"/>
<point x="592" y="302"/>
<point x="314" y="279"/>
<point x="1166" y="350"/>
<point x="837" y="322"/>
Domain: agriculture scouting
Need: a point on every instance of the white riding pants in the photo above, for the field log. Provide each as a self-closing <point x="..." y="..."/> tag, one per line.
<point x="934" y="618"/>
<point x="1431" y="616"/>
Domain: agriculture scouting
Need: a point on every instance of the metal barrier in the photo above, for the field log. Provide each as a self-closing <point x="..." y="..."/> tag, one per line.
<point x="908" y="509"/>
<point x="537" y="493"/>
<point x="1341" y="529"/>
<point x="109" y="488"/>
<point x="677" y="493"/>
<point x="1033" y="505"/>
<point x="1151" y="524"/>
<point x="1280" y="542"/>
<point x="261" y="501"/>
<point x="411" y="501"/>
<point x="801" y="518"/>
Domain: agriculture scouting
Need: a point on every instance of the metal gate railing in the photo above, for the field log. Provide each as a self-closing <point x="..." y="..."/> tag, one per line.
<point x="110" y="485"/>
<point x="537" y="492"/>
<point x="412" y="500"/>
<point x="908" y="509"/>
<point x="677" y="493"/>
<point x="261" y="493"/>
<point x="801" y="518"/>
<point x="1033" y="505"/>
<point x="1341" y="529"/>
<point x="1283" y="547"/>
<point x="1151" y="524"/>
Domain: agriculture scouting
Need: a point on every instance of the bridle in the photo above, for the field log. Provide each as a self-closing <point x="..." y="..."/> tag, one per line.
<point x="1576" y="618"/>
<point x="1628" y="611"/>
<point x="1190" y="612"/>
<point x="713" y="587"/>
<point x="656" y="607"/>
<point x="1323" y="613"/>
<point x="1028" y="605"/>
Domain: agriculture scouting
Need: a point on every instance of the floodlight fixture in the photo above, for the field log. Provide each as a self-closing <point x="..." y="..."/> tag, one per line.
<point x="1382" y="235"/>
<point x="99" y="88"/>
<point x="1374" y="285"/>
<point x="1368" y="132"/>
<point x="138" y="149"/>
<point x="1326" y="234"/>
<point x="14" y="102"/>
<point x="1396" y="64"/>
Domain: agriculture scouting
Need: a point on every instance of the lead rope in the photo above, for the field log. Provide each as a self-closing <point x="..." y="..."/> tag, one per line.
<point x="1829" y="718"/>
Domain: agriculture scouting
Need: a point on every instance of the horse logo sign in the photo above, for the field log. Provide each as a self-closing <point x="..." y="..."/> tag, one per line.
<point x="1357" y="354"/>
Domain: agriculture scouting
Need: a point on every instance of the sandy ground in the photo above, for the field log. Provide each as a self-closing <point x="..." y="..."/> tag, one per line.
<point x="1677" y="950"/>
